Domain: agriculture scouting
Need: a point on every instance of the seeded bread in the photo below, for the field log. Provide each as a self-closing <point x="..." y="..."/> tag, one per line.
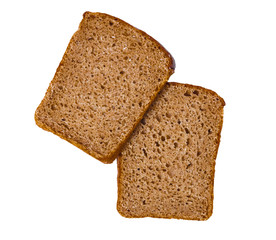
<point x="108" y="77"/>
<point x="166" y="169"/>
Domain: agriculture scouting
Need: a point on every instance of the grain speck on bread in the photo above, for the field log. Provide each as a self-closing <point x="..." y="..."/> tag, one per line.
<point x="107" y="79"/>
<point x="166" y="169"/>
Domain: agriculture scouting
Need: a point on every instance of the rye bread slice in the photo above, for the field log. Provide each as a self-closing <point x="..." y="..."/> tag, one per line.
<point x="166" y="169"/>
<point x="108" y="77"/>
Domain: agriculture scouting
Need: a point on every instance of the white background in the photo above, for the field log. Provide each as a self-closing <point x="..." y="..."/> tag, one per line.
<point x="49" y="189"/>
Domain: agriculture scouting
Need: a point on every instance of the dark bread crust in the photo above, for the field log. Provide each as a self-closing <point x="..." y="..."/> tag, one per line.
<point x="105" y="158"/>
<point x="120" y="178"/>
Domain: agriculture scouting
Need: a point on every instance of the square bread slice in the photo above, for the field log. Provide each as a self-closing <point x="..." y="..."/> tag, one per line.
<point x="108" y="77"/>
<point x="166" y="169"/>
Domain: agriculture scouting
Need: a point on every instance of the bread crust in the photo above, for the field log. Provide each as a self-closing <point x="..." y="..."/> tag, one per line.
<point x="109" y="158"/>
<point x="210" y="205"/>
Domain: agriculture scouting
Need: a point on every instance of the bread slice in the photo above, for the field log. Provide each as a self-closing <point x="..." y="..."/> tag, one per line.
<point x="108" y="77"/>
<point x="166" y="169"/>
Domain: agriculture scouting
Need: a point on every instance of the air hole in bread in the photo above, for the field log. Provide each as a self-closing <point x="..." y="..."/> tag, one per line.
<point x="189" y="165"/>
<point x="158" y="118"/>
<point x="54" y="107"/>
<point x="145" y="152"/>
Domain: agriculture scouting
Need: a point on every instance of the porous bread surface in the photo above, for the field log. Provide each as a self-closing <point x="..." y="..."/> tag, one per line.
<point x="108" y="77"/>
<point x="166" y="169"/>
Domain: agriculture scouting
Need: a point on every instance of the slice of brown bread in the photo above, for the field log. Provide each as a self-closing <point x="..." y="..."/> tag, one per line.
<point x="167" y="167"/>
<point x="108" y="77"/>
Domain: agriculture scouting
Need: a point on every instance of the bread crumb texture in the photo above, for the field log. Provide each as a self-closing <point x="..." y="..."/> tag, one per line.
<point x="108" y="77"/>
<point x="166" y="169"/>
